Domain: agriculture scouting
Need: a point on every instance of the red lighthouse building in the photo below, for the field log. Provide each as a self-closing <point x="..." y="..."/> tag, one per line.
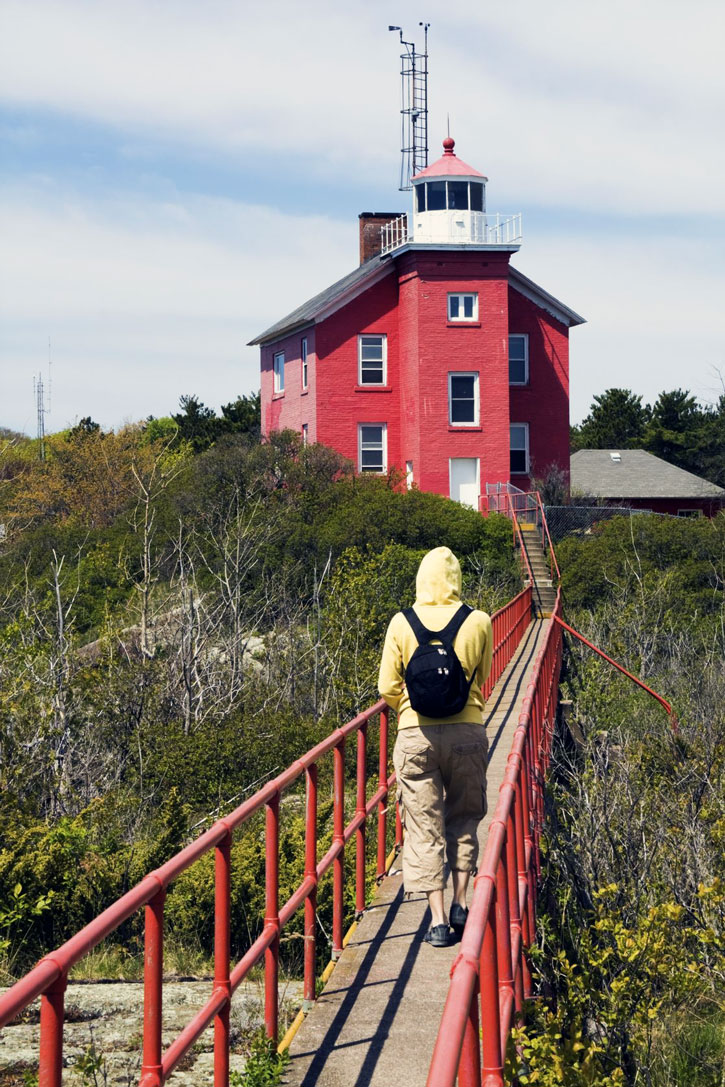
<point x="435" y="356"/>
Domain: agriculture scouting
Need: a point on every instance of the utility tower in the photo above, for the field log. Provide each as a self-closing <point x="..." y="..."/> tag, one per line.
<point x="414" y="107"/>
<point x="41" y="409"/>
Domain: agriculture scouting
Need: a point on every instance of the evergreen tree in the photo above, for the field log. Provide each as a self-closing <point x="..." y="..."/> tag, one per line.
<point x="617" y="420"/>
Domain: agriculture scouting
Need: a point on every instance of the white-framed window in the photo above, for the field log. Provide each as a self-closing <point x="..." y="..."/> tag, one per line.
<point x="305" y="433"/>
<point x="519" y="448"/>
<point x="463" y="399"/>
<point x="462" y="307"/>
<point x="409" y="474"/>
<point x="372" y="443"/>
<point x="279" y="372"/>
<point x="303" y="356"/>
<point x="372" y="359"/>
<point x="518" y="359"/>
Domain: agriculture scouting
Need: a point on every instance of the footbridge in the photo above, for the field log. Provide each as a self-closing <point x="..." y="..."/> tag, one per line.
<point x="387" y="1008"/>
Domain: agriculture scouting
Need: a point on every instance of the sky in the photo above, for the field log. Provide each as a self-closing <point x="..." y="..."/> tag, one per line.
<point x="175" y="176"/>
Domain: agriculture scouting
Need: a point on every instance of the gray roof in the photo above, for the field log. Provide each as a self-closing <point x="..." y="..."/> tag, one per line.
<point x="542" y="298"/>
<point x="305" y="314"/>
<point x="636" y="474"/>
<point x="352" y="284"/>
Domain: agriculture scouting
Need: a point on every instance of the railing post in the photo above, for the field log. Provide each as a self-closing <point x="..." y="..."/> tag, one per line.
<point x="360" y="813"/>
<point x="490" y="1017"/>
<point x="503" y="950"/>
<point x="222" y="889"/>
<point x="469" y="1064"/>
<point x="271" y="917"/>
<point x="531" y="841"/>
<point x="514" y="911"/>
<point x="338" y="837"/>
<point x="311" y="873"/>
<point x="382" y="784"/>
<point x="522" y="877"/>
<point x="153" y="989"/>
<point x="52" y="1013"/>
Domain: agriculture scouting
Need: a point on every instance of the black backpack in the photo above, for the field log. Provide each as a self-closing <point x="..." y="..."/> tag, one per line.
<point x="437" y="685"/>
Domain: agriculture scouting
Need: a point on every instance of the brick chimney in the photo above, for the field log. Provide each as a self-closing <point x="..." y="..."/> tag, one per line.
<point x="370" y="223"/>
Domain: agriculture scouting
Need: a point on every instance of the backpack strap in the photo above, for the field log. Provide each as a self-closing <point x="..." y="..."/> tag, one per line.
<point x="446" y="635"/>
<point x="422" y="633"/>
<point x="449" y="632"/>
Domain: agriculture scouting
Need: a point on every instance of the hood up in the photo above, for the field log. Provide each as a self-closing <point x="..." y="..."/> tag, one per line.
<point x="438" y="580"/>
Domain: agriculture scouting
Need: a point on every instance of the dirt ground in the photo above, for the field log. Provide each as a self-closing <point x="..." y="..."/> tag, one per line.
<point x="106" y="1018"/>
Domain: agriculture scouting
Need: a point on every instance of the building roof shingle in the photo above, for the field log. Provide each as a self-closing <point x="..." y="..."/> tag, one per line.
<point x="372" y="270"/>
<point x="634" y="473"/>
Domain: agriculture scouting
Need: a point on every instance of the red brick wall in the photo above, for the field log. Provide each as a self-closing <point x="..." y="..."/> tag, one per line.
<point x="544" y="402"/>
<point x="410" y="307"/>
<point x="294" y="407"/>
<point x="432" y="347"/>
<point x="341" y="404"/>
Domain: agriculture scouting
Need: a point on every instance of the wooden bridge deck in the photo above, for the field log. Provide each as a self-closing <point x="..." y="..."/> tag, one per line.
<point x="376" y="1021"/>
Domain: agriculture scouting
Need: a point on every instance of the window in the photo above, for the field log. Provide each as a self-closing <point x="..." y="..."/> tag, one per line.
<point x="689" y="513"/>
<point x="303" y="356"/>
<point x="458" y="195"/>
<point x="463" y="399"/>
<point x="372" y="447"/>
<point x="454" y="195"/>
<point x="462" y="307"/>
<point x="372" y="351"/>
<point x="436" y="195"/>
<point x="409" y="474"/>
<point x="519" y="448"/>
<point x="279" y="372"/>
<point x="305" y="433"/>
<point x="518" y="360"/>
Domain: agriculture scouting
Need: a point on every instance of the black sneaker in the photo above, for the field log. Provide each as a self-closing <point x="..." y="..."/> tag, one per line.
<point x="459" y="916"/>
<point x="438" y="936"/>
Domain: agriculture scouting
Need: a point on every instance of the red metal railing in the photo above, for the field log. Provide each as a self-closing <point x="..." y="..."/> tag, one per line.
<point x="49" y="978"/>
<point x="610" y="660"/>
<point x="518" y="537"/>
<point x="546" y="538"/>
<point x="523" y="506"/>
<point x="509" y="624"/>
<point x="490" y="977"/>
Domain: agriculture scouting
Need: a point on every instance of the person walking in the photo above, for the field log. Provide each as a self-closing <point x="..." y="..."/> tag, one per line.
<point x="437" y="656"/>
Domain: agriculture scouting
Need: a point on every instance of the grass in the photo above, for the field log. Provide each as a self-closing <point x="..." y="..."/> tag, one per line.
<point x="691" y="1051"/>
<point x="112" y="962"/>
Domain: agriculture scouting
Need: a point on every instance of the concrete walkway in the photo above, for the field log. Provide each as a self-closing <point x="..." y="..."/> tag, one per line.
<point x="376" y="1021"/>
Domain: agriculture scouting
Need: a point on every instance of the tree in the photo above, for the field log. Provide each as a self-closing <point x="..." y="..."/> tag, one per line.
<point x="243" y="415"/>
<point x="197" y="424"/>
<point x="617" y="420"/>
<point x="674" y="429"/>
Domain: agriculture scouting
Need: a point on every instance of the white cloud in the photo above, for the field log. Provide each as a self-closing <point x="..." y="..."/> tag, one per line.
<point x="570" y="107"/>
<point x="610" y="107"/>
<point x="146" y="301"/>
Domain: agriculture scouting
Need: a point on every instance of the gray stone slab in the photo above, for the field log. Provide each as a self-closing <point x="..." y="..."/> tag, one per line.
<point x="376" y="1021"/>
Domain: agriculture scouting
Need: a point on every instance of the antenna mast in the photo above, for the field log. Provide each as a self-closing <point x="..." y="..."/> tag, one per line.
<point x="414" y="108"/>
<point x="42" y="411"/>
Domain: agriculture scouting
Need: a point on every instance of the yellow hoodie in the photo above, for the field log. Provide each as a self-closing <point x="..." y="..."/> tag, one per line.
<point x="438" y="598"/>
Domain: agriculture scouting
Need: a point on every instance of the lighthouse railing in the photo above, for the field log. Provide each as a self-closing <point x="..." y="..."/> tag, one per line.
<point x="394" y="234"/>
<point x="480" y="228"/>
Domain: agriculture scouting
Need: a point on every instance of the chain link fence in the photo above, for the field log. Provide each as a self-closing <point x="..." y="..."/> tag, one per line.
<point x="580" y="520"/>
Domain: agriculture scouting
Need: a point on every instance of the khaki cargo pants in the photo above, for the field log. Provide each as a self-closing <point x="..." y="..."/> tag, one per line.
<point x="441" y="774"/>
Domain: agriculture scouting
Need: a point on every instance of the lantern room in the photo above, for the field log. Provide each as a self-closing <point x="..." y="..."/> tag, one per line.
<point x="449" y="201"/>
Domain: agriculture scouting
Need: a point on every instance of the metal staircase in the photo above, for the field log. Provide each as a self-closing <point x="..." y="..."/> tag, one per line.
<point x="544" y="590"/>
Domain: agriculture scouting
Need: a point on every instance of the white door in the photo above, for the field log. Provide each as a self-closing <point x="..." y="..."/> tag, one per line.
<point x="464" y="481"/>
